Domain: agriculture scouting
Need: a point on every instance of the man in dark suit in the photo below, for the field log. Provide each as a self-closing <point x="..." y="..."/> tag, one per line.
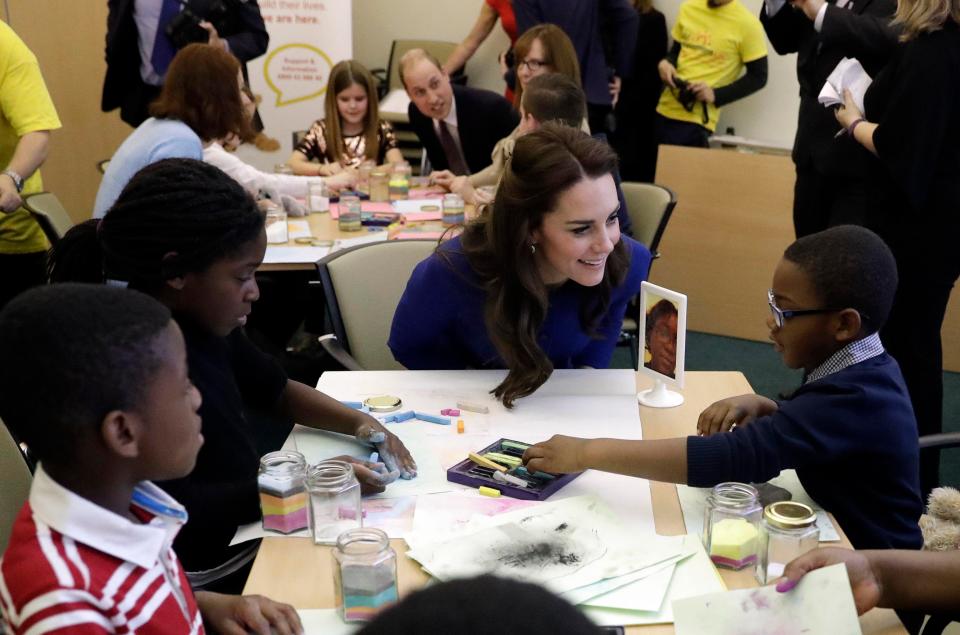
<point x="831" y="171"/>
<point x="457" y="125"/>
<point x="139" y="51"/>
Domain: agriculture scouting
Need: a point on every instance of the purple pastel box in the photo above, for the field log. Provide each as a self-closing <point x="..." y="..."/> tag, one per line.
<point x="469" y="473"/>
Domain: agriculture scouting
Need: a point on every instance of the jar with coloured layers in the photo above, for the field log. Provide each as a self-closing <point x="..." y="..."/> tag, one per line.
<point x="281" y="481"/>
<point x="731" y="525"/>
<point x="365" y="574"/>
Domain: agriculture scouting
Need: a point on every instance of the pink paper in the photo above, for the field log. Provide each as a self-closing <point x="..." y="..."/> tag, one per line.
<point x="425" y="192"/>
<point x="365" y="206"/>
<point x="418" y="216"/>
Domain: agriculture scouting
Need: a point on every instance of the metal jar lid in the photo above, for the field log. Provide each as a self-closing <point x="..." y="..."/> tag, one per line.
<point x="383" y="403"/>
<point x="789" y="515"/>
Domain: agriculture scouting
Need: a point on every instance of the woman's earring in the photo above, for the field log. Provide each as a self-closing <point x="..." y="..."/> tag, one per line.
<point x="533" y="248"/>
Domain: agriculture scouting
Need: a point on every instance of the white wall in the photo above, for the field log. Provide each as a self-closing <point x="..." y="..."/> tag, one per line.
<point x="770" y="115"/>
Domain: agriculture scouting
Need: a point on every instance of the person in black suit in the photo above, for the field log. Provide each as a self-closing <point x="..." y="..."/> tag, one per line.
<point x="138" y="50"/>
<point x="457" y="125"/>
<point x="831" y="171"/>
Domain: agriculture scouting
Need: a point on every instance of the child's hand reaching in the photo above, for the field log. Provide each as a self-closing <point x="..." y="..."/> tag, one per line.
<point x="559" y="455"/>
<point x="727" y="414"/>
<point x="239" y="615"/>
<point x="393" y="453"/>
<point x="374" y="476"/>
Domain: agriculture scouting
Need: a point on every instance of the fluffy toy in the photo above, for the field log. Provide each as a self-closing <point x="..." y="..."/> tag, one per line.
<point x="941" y="524"/>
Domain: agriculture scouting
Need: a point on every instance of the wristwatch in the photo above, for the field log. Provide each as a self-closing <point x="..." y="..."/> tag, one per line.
<point x="16" y="178"/>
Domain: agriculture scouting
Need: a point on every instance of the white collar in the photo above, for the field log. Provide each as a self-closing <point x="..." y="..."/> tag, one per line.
<point x="451" y="117"/>
<point x="86" y="522"/>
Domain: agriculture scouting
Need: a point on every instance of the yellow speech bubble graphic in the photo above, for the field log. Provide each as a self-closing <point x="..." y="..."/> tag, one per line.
<point x="296" y="72"/>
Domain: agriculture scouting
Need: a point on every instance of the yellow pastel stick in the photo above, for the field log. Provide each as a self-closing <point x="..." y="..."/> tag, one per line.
<point x="489" y="491"/>
<point x="479" y="460"/>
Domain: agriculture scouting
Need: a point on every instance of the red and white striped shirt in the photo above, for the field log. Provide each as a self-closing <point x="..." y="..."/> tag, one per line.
<point x="75" y="567"/>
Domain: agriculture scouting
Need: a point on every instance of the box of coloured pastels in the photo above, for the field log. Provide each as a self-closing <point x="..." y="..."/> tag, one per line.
<point x="498" y="466"/>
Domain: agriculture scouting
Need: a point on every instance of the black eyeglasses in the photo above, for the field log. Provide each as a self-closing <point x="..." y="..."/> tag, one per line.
<point x="779" y="315"/>
<point x="533" y="65"/>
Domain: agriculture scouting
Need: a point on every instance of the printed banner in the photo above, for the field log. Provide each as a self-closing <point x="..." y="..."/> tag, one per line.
<point x="307" y="37"/>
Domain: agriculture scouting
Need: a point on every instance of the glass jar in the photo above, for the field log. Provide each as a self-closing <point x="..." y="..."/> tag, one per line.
<point x="281" y="481"/>
<point x="349" y="220"/>
<point x="788" y="531"/>
<point x="379" y="186"/>
<point x="731" y="525"/>
<point x="334" y="500"/>
<point x="452" y="210"/>
<point x="364" y="574"/>
<point x="318" y="198"/>
<point x="363" y="176"/>
<point x="276" y="225"/>
<point x="399" y="186"/>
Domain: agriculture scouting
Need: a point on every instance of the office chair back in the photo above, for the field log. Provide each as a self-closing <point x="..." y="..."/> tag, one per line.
<point x="440" y="50"/>
<point x="50" y="214"/>
<point x="363" y="286"/>
<point x="16" y="477"/>
<point x="650" y="207"/>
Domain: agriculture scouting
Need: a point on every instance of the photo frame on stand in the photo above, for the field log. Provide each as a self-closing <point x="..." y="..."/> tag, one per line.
<point x="662" y="340"/>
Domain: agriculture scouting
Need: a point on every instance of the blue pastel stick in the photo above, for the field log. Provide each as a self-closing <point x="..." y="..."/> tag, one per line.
<point x="356" y="405"/>
<point x="422" y="416"/>
<point x="374" y="457"/>
<point x="388" y="419"/>
<point x="404" y="416"/>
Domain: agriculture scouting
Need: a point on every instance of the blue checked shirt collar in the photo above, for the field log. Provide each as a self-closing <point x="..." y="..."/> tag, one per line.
<point x="852" y="353"/>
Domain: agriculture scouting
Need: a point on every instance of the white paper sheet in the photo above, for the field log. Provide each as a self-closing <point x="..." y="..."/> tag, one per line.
<point x="603" y="591"/>
<point x="693" y="504"/>
<point x="325" y="622"/>
<point x="317" y="445"/>
<point x="643" y="594"/>
<point x="821" y="603"/>
<point x="396" y="101"/>
<point x="694" y="576"/>
<point x="848" y="75"/>
<point x="282" y="254"/>
<point x="414" y="205"/>
<point x="564" y="545"/>
<point x="590" y="403"/>
<point x="299" y="228"/>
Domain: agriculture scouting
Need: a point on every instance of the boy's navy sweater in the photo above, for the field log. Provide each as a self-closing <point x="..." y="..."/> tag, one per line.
<point x="852" y="438"/>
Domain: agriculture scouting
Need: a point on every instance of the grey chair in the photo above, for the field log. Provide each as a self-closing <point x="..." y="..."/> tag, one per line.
<point x="50" y="214"/>
<point x="363" y="285"/>
<point x="650" y="207"/>
<point x="16" y="477"/>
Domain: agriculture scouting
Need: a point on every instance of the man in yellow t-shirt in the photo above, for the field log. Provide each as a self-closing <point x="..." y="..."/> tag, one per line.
<point x="27" y="116"/>
<point x="714" y="41"/>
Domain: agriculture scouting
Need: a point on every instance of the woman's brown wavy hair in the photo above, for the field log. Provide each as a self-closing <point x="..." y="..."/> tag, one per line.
<point x="545" y="164"/>
<point x="201" y="90"/>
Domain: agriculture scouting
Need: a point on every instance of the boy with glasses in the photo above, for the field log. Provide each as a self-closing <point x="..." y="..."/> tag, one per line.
<point x="849" y="431"/>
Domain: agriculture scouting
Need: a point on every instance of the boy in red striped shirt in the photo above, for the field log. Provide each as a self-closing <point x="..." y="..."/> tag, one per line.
<point x="94" y="380"/>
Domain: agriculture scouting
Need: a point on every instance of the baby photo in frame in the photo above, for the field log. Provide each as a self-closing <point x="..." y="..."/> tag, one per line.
<point x="662" y="342"/>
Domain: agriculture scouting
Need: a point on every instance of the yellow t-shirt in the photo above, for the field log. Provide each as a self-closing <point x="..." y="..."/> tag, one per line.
<point x="715" y="43"/>
<point x="25" y="106"/>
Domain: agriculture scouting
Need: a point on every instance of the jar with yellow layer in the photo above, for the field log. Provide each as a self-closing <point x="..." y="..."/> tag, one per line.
<point x="731" y="525"/>
<point x="281" y="482"/>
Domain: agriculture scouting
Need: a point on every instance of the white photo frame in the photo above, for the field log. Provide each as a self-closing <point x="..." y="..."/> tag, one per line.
<point x="660" y="304"/>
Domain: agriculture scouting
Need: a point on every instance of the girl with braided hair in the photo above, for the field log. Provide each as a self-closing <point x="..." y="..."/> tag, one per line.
<point x="190" y="236"/>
